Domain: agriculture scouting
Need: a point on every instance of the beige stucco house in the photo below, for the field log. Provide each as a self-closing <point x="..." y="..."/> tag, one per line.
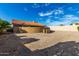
<point x="29" y="27"/>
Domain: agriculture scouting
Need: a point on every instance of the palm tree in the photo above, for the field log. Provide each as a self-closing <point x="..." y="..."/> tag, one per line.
<point x="4" y="25"/>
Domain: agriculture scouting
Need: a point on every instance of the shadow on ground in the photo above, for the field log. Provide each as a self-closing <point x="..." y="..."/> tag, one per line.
<point x="27" y="40"/>
<point x="11" y="45"/>
<point x="70" y="48"/>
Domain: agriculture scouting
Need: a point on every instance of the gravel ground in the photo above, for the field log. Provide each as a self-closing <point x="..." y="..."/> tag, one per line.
<point x="40" y="44"/>
<point x="70" y="48"/>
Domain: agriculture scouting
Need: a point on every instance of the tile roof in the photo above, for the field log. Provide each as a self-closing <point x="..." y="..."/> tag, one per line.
<point x="19" y="22"/>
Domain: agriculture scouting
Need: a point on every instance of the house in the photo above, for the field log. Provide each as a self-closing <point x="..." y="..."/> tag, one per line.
<point x="29" y="27"/>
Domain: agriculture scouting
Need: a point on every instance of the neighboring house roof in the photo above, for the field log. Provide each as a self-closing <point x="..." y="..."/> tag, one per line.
<point x="46" y="27"/>
<point x="76" y="23"/>
<point x="19" y="22"/>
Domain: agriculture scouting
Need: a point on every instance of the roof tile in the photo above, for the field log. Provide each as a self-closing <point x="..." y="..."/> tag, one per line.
<point x="15" y="22"/>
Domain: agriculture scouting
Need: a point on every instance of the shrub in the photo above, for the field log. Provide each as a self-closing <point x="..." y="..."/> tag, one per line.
<point x="78" y="28"/>
<point x="4" y="25"/>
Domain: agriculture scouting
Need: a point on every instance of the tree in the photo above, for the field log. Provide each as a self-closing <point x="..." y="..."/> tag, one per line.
<point x="4" y="25"/>
<point x="71" y="24"/>
<point x="61" y="24"/>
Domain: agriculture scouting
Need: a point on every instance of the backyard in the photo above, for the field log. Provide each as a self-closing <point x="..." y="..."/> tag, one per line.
<point x="40" y="43"/>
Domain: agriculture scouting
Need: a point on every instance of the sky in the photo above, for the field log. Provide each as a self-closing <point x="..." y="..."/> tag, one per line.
<point x="50" y="14"/>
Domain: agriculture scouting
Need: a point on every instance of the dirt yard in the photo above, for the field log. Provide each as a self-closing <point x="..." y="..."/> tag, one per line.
<point x="29" y="43"/>
<point x="47" y="40"/>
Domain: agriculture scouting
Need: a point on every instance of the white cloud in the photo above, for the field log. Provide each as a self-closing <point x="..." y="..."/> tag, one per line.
<point x="35" y="5"/>
<point x="55" y="12"/>
<point x="48" y="21"/>
<point x="56" y="17"/>
<point x="45" y="14"/>
<point x="69" y="18"/>
<point x="59" y="11"/>
<point x="66" y="20"/>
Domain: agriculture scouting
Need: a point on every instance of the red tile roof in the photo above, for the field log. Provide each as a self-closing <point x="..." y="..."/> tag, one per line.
<point x="19" y="22"/>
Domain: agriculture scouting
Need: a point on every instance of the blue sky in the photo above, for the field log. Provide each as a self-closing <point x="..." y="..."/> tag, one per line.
<point x="46" y="13"/>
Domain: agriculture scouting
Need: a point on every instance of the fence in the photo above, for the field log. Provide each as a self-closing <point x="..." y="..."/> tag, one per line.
<point x="64" y="28"/>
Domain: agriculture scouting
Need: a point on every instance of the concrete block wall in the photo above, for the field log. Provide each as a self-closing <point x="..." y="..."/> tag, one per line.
<point x="64" y="28"/>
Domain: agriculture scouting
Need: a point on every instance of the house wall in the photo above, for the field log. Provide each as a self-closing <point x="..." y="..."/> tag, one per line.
<point x="28" y="29"/>
<point x="16" y="29"/>
<point x="64" y="28"/>
<point x="32" y="29"/>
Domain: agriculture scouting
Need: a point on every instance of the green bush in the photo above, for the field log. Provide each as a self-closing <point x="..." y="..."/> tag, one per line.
<point x="78" y="28"/>
<point x="4" y="25"/>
